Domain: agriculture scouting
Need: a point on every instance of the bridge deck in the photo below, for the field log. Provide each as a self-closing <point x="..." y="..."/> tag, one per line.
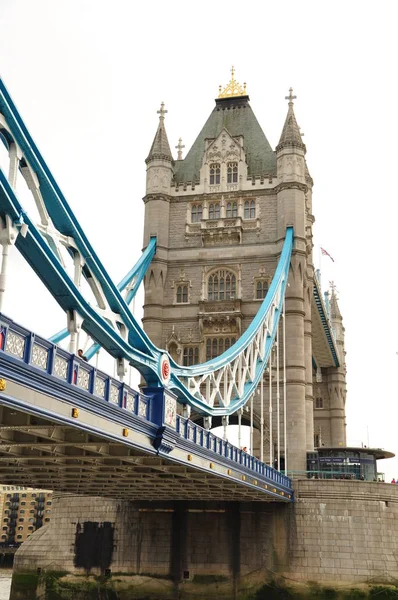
<point x="78" y="430"/>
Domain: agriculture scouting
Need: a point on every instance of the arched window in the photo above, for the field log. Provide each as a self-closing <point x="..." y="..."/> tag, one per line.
<point x="250" y="209"/>
<point x="221" y="286"/>
<point x="214" y="211"/>
<point x="196" y="213"/>
<point x="182" y="294"/>
<point x="232" y="210"/>
<point x="216" y="346"/>
<point x="215" y="174"/>
<point x="190" y="356"/>
<point x="261" y="289"/>
<point x="232" y="172"/>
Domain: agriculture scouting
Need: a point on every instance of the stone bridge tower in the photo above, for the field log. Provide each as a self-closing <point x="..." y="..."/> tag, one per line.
<point x="220" y="217"/>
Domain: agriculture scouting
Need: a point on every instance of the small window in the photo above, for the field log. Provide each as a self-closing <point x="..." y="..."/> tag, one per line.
<point x="33" y="495"/>
<point x="31" y="520"/>
<point x="23" y="495"/>
<point x="214" y="211"/>
<point x="191" y="356"/>
<point x="49" y="503"/>
<point x="182" y="297"/>
<point x="196" y="213"/>
<point x="319" y="402"/>
<point x="261" y="289"/>
<point x="250" y="209"/>
<point x="5" y="528"/>
<point x="316" y="440"/>
<point x="215" y="174"/>
<point x="20" y="528"/>
<point x="221" y="286"/>
<point x="232" y="172"/>
<point x="216" y="346"/>
<point x="3" y="537"/>
<point x="7" y="512"/>
<point x="19" y="537"/>
<point x="232" y="210"/>
<point x="20" y="520"/>
<point x="23" y="503"/>
<point x="30" y="527"/>
<point x="47" y="520"/>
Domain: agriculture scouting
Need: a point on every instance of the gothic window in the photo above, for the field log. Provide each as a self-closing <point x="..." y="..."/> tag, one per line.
<point x="196" y="213"/>
<point x="182" y="294"/>
<point x="190" y="356"/>
<point x="319" y="402"/>
<point x="214" y="211"/>
<point x="250" y="209"/>
<point x="221" y="286"/>
<point x="261" y="289"/>
<point x="215" y="174"/>
<point x="216" y="346"/>
<point x="232" y="172"/>
<point x="232" y="210"/>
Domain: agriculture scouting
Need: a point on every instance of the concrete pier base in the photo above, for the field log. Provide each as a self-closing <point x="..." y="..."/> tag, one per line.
<point x="337" y="533"/>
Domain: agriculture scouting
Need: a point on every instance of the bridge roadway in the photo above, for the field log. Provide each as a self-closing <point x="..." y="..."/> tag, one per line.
<point x="67" y="426"/>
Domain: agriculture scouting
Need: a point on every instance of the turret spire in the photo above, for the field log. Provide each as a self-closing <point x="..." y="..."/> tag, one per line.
<point x="291" y="135"/>
<point x="160" y="148"/>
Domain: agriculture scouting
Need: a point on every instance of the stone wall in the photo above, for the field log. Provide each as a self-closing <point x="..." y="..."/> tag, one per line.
<point x="345" y="531"/>
<point x="337" y="532"/>
<point x="177" y="540"/>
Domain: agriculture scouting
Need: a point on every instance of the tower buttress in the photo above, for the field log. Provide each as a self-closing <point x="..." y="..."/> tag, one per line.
<point x="160" y="171"/>
<point x="337" y="378"/>
<point x="291" y="209"/>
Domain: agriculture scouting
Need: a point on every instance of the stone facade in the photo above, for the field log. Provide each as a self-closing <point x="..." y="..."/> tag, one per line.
<point x="225" y="212"/>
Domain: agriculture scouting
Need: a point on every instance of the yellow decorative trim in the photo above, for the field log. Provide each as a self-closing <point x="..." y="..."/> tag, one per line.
<point x="125" y="432"/>
<point x="255" y="481"/>
<point x="233" y="88"/>
<point x="229" y="472"/>
<point x="243" y="477"/>
<point x="75" y="413"/>
<point x="211" y="465"/>
<point x="274" y="490"/>
<point x="3" y="384"/>
<point x="189" y="456"/>
<point x="266" y="486"/>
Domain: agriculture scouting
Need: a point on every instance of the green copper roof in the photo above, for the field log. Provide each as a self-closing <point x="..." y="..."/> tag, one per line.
<point x="236" y="115"/>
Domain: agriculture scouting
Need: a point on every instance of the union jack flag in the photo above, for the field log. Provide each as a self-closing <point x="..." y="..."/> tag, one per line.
<point x="325" y="253"/>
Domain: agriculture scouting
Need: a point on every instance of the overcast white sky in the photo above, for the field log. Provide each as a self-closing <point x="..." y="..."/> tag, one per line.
<point x="88" y="77"/>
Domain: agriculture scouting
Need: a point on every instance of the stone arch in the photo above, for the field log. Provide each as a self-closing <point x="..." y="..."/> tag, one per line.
<point x="221" y="283"/>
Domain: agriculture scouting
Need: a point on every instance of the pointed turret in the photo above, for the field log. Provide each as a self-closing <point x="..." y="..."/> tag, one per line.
<point x="160" y="149"/>
<point x="291" y="135"/>
<point x="160" y="163"/>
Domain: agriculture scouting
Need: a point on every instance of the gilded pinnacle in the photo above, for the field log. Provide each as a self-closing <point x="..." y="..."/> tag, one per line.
<point x="233" y="88"/>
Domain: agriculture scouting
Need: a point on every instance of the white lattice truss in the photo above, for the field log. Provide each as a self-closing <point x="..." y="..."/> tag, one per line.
<point x="231" y="381"/>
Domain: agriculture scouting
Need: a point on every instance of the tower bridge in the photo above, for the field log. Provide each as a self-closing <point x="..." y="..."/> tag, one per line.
<point x="235" y="329"/>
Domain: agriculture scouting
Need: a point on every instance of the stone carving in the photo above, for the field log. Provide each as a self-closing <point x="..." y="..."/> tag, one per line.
<point x="100" y="387"/>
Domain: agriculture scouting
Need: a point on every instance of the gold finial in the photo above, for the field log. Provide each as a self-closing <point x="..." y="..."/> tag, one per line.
<point x="233" y="88"/>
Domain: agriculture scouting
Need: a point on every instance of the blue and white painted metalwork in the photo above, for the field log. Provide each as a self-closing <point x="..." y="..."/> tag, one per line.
<point x="36" y="363"/>
<point x="218" y="387"/>
<point x="129" y="284"/>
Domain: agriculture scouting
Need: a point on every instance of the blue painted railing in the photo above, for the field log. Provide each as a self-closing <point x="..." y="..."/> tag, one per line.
<point x="56" y="364"/>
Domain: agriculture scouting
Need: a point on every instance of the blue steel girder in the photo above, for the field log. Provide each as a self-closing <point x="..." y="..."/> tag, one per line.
<point x="237" y="371"/>
<point x="130" y="283"/>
